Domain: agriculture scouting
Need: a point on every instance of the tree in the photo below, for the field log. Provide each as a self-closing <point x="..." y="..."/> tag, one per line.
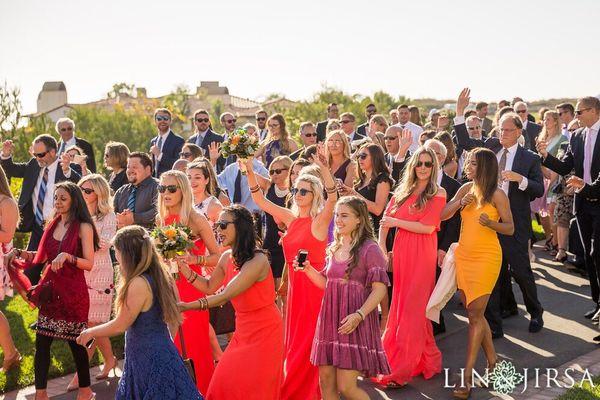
<point x="121" y="88"/>
<point x="177" y="103"/>
<point x="10" y="110"/>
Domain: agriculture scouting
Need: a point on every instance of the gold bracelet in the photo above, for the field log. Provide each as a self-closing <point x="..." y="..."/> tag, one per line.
<point x="331" y="189"/>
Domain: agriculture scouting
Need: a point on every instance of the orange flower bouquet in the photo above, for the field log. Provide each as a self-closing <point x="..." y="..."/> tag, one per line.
<point x="172" y="241"/>
<point x="239" y="143"/>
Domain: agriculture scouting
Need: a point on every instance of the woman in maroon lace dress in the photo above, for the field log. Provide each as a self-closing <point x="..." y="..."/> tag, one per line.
<point x="67" y="250"/>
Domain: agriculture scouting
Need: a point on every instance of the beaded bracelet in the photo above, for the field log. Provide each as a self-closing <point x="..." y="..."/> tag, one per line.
<point x="362" y="315"/>
<point x="203" y="303"/>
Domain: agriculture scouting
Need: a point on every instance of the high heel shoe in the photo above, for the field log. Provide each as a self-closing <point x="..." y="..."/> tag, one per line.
<point x="11" y="362"/>
<point x="73" y="385"/>
<point x="106" y="371"/>
<point x="462" y="392"/>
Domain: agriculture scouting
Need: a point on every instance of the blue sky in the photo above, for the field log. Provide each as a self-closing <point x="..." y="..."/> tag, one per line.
<point x="534" y="49"/>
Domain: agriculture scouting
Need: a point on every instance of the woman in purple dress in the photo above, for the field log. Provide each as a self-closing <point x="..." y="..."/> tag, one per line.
<point x="347" y="341"/>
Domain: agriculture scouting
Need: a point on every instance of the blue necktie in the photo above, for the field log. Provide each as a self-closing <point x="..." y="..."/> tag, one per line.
<point x="39" y="206"/>
<point x="131" y="199"/>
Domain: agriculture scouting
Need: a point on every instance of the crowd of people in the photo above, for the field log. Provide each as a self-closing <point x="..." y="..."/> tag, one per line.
<point x="315" y="260"/>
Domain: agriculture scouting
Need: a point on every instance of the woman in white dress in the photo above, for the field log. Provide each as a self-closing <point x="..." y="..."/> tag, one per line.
<point x="9" y="219"/>
<point x="100" y="280"/>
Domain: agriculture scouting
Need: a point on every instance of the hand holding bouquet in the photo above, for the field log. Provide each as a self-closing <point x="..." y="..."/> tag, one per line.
<point x="172" y="241"/>
<point x="240" y="144"/>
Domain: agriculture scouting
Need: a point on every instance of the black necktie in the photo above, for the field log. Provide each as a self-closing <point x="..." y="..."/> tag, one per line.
<point x="237" y="189"/>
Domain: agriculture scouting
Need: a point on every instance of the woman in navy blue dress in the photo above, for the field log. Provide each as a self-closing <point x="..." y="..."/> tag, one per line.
<point x="146" y="309"/>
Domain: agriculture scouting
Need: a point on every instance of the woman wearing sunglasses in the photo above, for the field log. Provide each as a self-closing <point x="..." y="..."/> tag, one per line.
<point x="251" y="367"/>
<point x="338" y="157"/>
<point x="190" y="152"/>
<point x="100" y="280"/>
<point x="175" y="205"/>
<point x="307" y="224"/>
<point x="414" y="211"/>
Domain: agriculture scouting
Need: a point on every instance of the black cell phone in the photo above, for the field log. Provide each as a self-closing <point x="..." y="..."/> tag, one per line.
<point x="302" y="254"/>
<point x="90" y="343"/>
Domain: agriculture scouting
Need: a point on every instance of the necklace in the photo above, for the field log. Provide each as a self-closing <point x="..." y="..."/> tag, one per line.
<point x="281" y="192"/>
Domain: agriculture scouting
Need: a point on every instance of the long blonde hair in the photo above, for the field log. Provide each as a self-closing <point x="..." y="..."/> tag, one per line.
<point x="345" y="144"/>
<point x="408" y="182"/>
<point x="556" y="118"/>
<point x="138" y="256"/>
<point x="187" y="199"/>
<point x="102" y="190"/>
<point x="317" y="188"/>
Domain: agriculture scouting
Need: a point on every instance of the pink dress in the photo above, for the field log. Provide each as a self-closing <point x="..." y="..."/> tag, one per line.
<point x="408" y="338"/>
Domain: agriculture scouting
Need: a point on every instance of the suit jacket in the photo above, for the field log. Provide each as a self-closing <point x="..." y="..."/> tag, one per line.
<point x="87" y="150"/>
<point x="295" y="155"/>
<point x="531" y="133"/>
<point x="30" y="172"/>
<point x="450" y="229"/>
<point x="396" y="168"/>
<point x="362" y="129"/>
<point x="525" y="163"/>
<point x="487" y="124"/>
<point x="209" y="138"/>
<point x="573" y="159"/>
<point x="321" y="130"/>
<point x="170" y="152"/>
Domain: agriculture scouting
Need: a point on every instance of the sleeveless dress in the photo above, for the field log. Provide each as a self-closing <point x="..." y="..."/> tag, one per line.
<point x="195" y="322"/>
<point x="408" y="338"/>
<point x="301" y="378"/>
<point x="342" y="171"/>
<point x="100" y="280"/>
<point x="252" y="365"/>
<point x="203" y="206"/>
<point x="153" y="370"/>
<point x="271" y="241"/>
<point x="478" y="255"/>
<point x="369" y="192"/>
<point x="361" y="350"/>
<point x="273" y="150"/>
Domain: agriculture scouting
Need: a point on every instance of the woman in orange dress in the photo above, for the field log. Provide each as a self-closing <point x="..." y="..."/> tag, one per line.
<point x="307" y="224"/>
<point x="479" y="255"/>
<point x="415" y="212"/>
<point x="252" y="366"/>
<point x="175" y="205"/>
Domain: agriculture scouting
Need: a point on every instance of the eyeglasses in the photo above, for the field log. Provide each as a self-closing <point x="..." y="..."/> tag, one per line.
<point x="579" y="112"/>
<point x="335" y="142"/>
<point x="40" y="155"/>
<point x="302" y="192"/>
<point x="426" y="164"/>
<point x="277" y="171"/>
<point x="362" y="156"/>
<point x="388" y="138"/>
<point x="87" y="190"/>
<point x="345" y="121"/>
<point x="474" y="128"/>
<point x="162" y="118"/>
<point x="202" y="119"/>
<point x="66" y="129"/>
<point x="222" y="225"/>
<point x="310" y="134"/>
<point x="170" y="188"/>
<point x="186" y="155"/>
<point x="261" y="118"/>
<point x="521" y="111"/>
<point x="230" y="121"/>
<point x="273" y="125"/>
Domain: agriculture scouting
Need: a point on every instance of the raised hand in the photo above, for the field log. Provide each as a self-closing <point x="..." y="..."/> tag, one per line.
<point x="542" y="147"/>
<point x="214" y="151"/>
<point x="463" y="101"/>
<point x="7" y="148"/>
<point x="65" y="162"/>
<point x="406" y="140"/>
<point x="320" y="157"/>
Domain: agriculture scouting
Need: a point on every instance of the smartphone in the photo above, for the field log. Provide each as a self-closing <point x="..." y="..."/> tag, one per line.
<point x="90" y="343"/>
<point x="302" y="254"/>
<point x="78" y="159"/>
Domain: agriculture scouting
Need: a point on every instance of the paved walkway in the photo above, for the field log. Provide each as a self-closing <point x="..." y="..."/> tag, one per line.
<point x="565" y="341"/>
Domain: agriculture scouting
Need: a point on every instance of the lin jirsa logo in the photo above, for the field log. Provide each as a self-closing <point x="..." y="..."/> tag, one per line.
<point x="505" y="378"/>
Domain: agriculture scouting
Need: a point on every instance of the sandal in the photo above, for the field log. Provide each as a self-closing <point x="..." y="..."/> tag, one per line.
<point x="549" y="246"/>
<point x="11" y="362"/>
<point x="462" y="392"/>
<point x="394" y="385"/>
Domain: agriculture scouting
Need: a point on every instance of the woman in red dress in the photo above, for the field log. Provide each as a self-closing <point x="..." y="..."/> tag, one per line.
<point x="175" y="205"/>
<point x="67" y="249"/>
<point x="415" y="212"/>
<point x="251" y="367"/>
<point x="307" y="225"/>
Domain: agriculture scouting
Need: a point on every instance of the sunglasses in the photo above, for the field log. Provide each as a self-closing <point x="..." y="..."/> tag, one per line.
<point x="87" y="190"/>
<point x="230" y="121"/>
<point x="388" y="138"/>
<point x="303" y="192"/>
<point x="66" y="129"/>
<point x="170" y="188"/>
<point x="202" y="119"/>
<point x="162" y="118"/>
<point x="345" y="121"/>
<point x="579" y="112"/>
<point x="521" y="111"/>
<point x="426" y="164"/>
<point x="277" y="171"/>
<point x="261" y="118"/>
<point x="310" y="134"/>
<point x="186" y="155"/>
<point x="363" y="156"/>
<point x="40" y="155"/>
<point x="222" y="225"/>
<point x="474" y="128"/>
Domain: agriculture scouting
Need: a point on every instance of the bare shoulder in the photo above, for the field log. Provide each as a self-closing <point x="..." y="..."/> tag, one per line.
<point x="441" y="192"/>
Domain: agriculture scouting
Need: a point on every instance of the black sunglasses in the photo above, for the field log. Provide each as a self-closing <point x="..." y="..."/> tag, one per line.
<point x="277" y="171"/>
<point x="40" y="155"/>
<point x="474" y="128"/>
<point x="230" y="121"/>
<point x="202" y="119"/>
<point x="261" y="118"/>
<point x="87" y="190"/>
<point x="303" y="192"/>
<point x="170" y="188"/>
<point x="222" y="225"/>
<point x="310" y="134"/>
<point x="344" y="122"/>
<point x="186" y="155"/>
<point x="162" y="118"/>
<point x="362" y="156"/>
<point x="521" y="111"/>
<point x="426" y="164"/>
<point x="390" y="138"/>
<point x="579" y="112"/>
<point x="66" y="129"/>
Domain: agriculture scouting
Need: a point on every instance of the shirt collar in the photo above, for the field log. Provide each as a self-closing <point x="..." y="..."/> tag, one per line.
<point x="202" y="134"/>
<point x="513" y="149"/>
<point x="164" y="135"/>
<point x="596" y="126"/>
<point x="54" y="165"/>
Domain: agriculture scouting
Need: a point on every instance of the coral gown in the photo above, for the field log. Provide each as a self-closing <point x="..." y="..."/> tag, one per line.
<point x="252" y="366"/>
<point x="408" y="338"/>
<point x="301" y="378"/>
<point x="195" y="322"/>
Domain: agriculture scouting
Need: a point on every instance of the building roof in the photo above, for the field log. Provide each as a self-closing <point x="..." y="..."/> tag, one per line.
<point x="54" y="86"/>
<point x="37" y="114"/>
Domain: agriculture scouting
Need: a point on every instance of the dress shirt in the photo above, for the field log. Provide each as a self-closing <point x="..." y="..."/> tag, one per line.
<point x="262" y="135"/>
<point x="416" y="133"/>
<point x="591" y="134"/>
<point x="164" y="139"/>
<point x="226" y="180"/>
<point x="565" y="132"/>
<point x="200" y="138"/>
<point x="439" y="177"/>
<point x="49" y="196"/>
<point x="510" y="157"/>
<point x="146" y="199"/>
<point x="68" y="143"/>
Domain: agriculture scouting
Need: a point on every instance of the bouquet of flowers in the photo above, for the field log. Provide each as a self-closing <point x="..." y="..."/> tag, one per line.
<point x="172" y="240"/>
<point x="239" y="143"/>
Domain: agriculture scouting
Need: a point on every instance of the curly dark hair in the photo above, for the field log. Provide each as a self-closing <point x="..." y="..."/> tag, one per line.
<point x="247" y="243"/>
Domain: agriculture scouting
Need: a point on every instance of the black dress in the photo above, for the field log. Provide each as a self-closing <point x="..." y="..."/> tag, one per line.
<point x="115" y="181"/>
<point x="271" y="241"/>
<point x="369" y="192"/>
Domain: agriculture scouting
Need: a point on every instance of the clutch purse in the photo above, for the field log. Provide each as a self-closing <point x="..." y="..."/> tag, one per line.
<point x="187" y="362"/>
<point x="222" y="318"/>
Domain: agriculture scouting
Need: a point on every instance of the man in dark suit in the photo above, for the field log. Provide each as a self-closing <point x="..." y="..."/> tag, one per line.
<point x="531" y="130"/>
<point x="520" y="177"/>
<point x="348" y="125"/>
<point x="583" y="155"/>
<point x="165" y="147"/>
<point x="308" y="134"/>
<point x="482" y="110"/>
<point x="450" y="229"/>
<point x="332" y="113"/>
<point x="261" y="123"/>
<point x="370" y="110"/>
<point x="40" y="176"/>
<point x="204" y="136"/>
<point x="65" y="127"/>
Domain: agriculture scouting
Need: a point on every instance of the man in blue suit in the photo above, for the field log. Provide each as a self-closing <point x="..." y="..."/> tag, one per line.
<point x="522" y="180"/>
<point x="204" y="136"/>
<point x="166" y="146"/>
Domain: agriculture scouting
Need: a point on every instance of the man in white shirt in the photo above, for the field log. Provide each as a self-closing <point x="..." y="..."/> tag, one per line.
<point x="531" y="130"/>
<point x="348" y="123"/>
<point x="65" y="127"/>
<point x="566" y="113"/>
<point x="404" y="123"/>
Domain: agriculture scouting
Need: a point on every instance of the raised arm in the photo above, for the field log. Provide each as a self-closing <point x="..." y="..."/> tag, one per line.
<point x="320" y="225"/>
<point x="461" y="199"/>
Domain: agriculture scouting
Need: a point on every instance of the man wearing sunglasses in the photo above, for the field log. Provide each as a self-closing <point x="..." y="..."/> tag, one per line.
<point x="166" y="146"/>
<point x="531" y="130"/>
<point x="261" y="123"/>
<point x="228" y="121"/>
<point x="65" y="127"/>
<point x="204" y="135"/>
<point x="40" y="175"/>
<point x="308" y="134"/>
<point x="566" y="114"/>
